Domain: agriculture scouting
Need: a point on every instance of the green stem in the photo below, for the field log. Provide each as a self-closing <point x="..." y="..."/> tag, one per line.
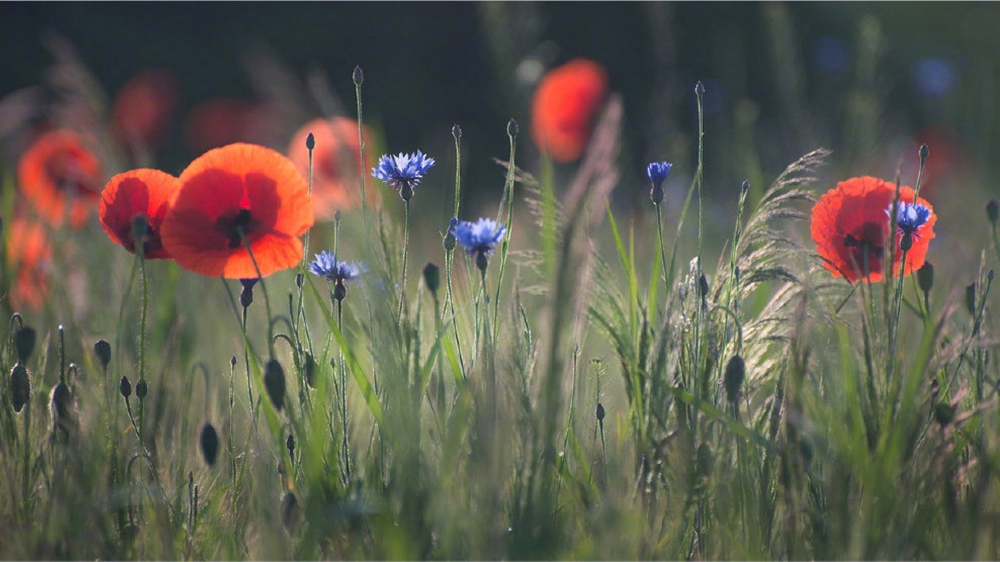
<point x="406" y="247"/>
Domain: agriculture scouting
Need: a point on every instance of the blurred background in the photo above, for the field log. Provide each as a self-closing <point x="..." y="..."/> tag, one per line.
<point x="870" y="81"/>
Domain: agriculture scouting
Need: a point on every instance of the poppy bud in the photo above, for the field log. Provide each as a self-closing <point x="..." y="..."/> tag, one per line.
<point x="60" y="407"/>
<point x="141" y="389"/>
<point x="699" y="88"/>
<point x="336" y="215"/>
<point x="924" y="152"/>
<point x="24" y="343"/>
<point x="970" y="299"/>
<point x="209" y="444"/>
<point x="456" y="132"/>
<point x="944" y="413"/>
<point x="232" y="361"/>
<point x="299" y="279"/>
<point x="733" y="379"/>
<point x="432" y="277"/>
<point x="20" y="387"/>
<point x="290" y="445"/>
<point x="125" y="387"/>
<point x="993" y="210"/>
<point x="102" y="350"/>
<point x="358" y="76"/>
<point x="310" y="370"/>
<point x="744" y="187"/>
<point x="246" y="295"/>
<point x="600" y="412"/>
<point x="289" y="511"/>
<point x="274" y="383"/>
<point x="310" y="141"/>
<point x="925" y="277"/>
<point x="449" y="242"/>
<point x="512" y="129"/>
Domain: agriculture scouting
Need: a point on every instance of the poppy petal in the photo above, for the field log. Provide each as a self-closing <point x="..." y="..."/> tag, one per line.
<point x="143" y="192"/>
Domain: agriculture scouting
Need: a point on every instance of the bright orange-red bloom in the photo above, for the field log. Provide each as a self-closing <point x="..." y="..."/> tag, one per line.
<point x="336" y="156"/>
<point x="139" y="193"/>
<point x="850" y="225"/>
<point x="59" y="175"/>
<point x="231" y="193"/>
<point x="30" y="253"/>
<point x="143" y="107"/>
<point x="564" y="106"/>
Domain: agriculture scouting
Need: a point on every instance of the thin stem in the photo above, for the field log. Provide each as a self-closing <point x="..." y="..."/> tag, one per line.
<point x="142" y="329"/>
<point x="449" y="260"/>
<point x="345" y="446"/>
<point x="663" y="255"/>
<point x="406" y="247"/>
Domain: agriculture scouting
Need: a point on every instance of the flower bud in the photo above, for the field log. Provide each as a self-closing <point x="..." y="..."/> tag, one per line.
<point x="24" y="343"/>
<point x="482" y="261"/>
<point x="432" y="277"/>
<point x="600" y="412"/>
<point x="102" y="350"/>
<point x="733" y="379"/>
<point x="512" y="128"/>
<point x="125" y="387"/>
<point x="456" y="132"/>
<point x="925" y="277"/>
<point x="246" y="295"/>
<point x="310" y="141"/>
<point x="924" y="152"/>
<point x="970" y="299"/>
<point x="290" y="445"/>
<point x="141" y="389"/>
<point x="20" y="387"/>
<point x="274" y="383"/>
<point x="310" y="370"/>
<point x="358" y="76"/>
<point x="209" y="442"/>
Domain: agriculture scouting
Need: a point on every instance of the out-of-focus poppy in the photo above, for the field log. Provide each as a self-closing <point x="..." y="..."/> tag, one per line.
<point x="336" y="156"/>
<point x="850" y="225"/>
<point x="59" y="175"/>
<point x="231" y="193"/>
<point x="945" y="156"/>
<point x="29" y="252"/>
<point x="225" y="121"/>
<point x="564" y="106"/>
<point x="143" y="107"/>
<point x="137" y="194"/>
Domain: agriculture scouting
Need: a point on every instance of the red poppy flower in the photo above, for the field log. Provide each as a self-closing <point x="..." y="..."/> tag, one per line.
<point x="224" y="121"/>
<point x="30" y="253"/>
<point x="239" y="188"/>
<point x="59" y="175"/>
<point x="143" y="107"/>
<point x="851" y="223"/>
<point x="138" y="193"/>
<point x="336" y="156"/>
<point x="564" y="106"/>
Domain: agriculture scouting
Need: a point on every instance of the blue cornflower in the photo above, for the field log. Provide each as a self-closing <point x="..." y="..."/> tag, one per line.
<point x="327" y="266"/>
<point x="657" y="173"/>
<point x="909" y="217"/>
<point x="403" y="171"/>
<point x="479" y="238"/>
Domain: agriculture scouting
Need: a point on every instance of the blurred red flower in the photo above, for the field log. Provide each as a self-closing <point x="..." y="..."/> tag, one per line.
<point x="238" y="189"/>
<point x="850" y="225"/>
<point x="58" y="174"/>
<point x="336" y="156"/>
<point x="137" y="193"/>
<point x="225" y="121"/>
<point x="143" y="107"/>
<point x="29" y="252"/>
<point x="564" y="106"/>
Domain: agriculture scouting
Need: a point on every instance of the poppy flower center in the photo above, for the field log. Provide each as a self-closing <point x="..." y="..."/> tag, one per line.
<point x="236" y="228"/>
<point x="866" y="246"/>
<point x="66" y="174"/>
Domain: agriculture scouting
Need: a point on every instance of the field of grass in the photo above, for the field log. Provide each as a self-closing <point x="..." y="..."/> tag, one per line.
<point x="687" y="374"/>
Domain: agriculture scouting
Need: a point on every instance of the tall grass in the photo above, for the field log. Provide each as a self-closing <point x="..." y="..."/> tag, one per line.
<point x="565" y="402"/>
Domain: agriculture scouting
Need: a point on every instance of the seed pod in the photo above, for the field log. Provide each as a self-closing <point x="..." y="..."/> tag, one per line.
<point x="102" y="350"/>
<point x="274" y="383"/>
<point x="733" y="379"/>
<point x="125" y="387"/>
<point x="24" y="343"/>
<point x="209" y="443"/>
<point x="20" y="387"/>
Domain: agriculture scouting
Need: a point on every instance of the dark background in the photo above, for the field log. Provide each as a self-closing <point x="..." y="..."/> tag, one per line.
<point x="781" y="79"/>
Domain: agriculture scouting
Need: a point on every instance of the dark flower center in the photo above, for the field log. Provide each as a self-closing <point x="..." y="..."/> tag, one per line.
<point x="865" y="246"/>
<point x="237" y="228"/>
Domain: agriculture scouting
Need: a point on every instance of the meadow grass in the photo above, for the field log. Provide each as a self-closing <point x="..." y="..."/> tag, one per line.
<point x="588" y="391"/>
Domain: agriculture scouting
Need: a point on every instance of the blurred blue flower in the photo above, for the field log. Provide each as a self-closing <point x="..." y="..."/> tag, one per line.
<point x="479" y="237"/>
<point x="934" y="76"/>
<point x="326" y="265"/>
<point x="403" y="171"/>
<point x="909" y="217"/>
